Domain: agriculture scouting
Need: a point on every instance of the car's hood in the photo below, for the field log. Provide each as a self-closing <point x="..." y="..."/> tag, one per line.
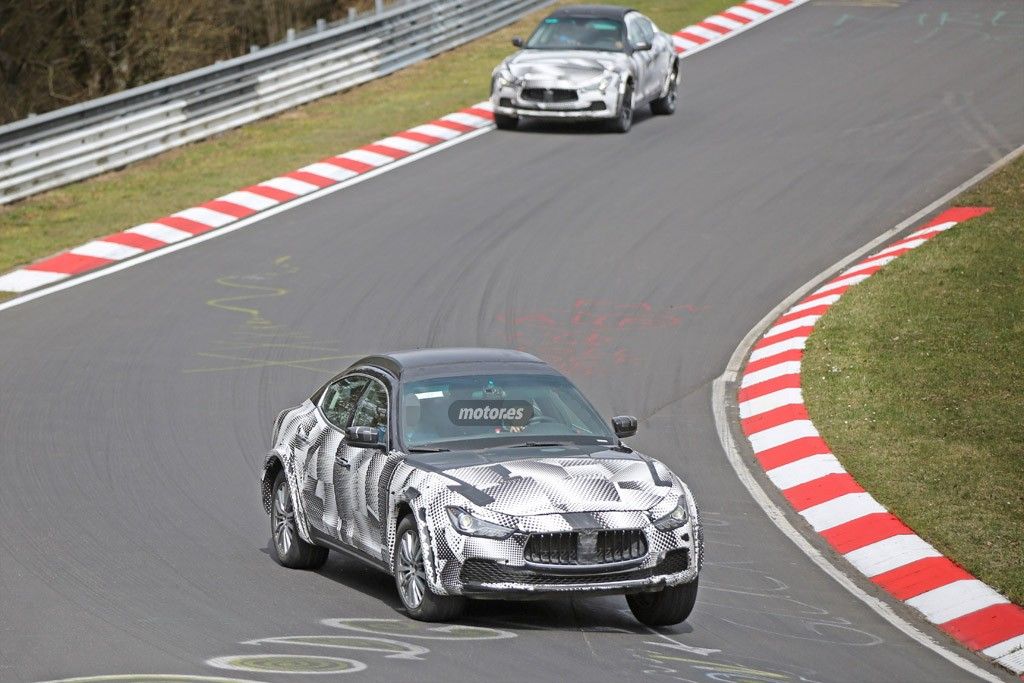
<point x="537" y="481"/>
<point x="563" y="68"/>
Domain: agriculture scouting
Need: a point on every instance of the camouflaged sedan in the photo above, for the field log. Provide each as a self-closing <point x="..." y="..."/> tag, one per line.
<point x="479" y="473"/>
<point x="587" y="62"/>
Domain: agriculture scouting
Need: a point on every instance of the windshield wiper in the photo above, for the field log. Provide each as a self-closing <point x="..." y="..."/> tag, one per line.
<point x="424" y="449"/>
<point x="539" y="444"/>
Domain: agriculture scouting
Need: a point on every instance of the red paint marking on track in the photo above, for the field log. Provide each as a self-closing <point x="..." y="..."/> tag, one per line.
<point x="920" y="576"/>
<point x="69" y="263"/>
<point x="185" y="224"/>
<point x="816" y="310"/>
<point x="386" y="151"/>
<point x="774" y="418"/>
<point x="987" y="626"/>
<point x="785" y="356"/>
<point x="770" y="386"/>
<point x="692" y="37"/>
<point x="349" y="164"/>
<point x="132" y="239"/>
<point x="713" y="27"/>
<point x="229" y="208"/>
<point x="419" y="137"/>
<point x="791" y="452"/>
<point x="865" y="530"/>
<point x="755" y="8"/>
<point x="870" y="270"/>
<point x="822" y="489"/>
<point x="783" y="336"/>
<point x="958" y="214"/>
<point x="482" y="113"/>
<point x="271" y="193"/>
<point x="454" y="125"/>
<point x="311" y="178"/>
<point x="736" y="17"/>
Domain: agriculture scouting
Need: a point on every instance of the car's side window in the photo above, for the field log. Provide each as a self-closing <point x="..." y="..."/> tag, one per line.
<point x="646" y="29"/>
<point x="634" y="31"/>
<point x="372" y="410"/>
<point x="340" y="399"/>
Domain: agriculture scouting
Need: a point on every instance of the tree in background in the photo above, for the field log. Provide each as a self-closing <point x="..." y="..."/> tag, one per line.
<point x="58" y="52"/>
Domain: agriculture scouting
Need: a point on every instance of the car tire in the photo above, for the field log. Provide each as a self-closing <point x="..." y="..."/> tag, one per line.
<point x="623" y="120"/>
<point x="411" y="581"/>
<point x="665" y="106"/>
<point x="289" y="548"/>
<point x="505" y="122"/>
<point x="671" y="605"/>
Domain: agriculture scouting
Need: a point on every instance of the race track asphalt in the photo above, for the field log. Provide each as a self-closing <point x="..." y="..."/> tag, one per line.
<point x="136" y="408"/>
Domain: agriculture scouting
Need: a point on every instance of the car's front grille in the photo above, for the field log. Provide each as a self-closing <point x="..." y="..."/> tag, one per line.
<point x="585" y="548"/>
<point x="476" y="571"/>
<point x="548" y="95"/>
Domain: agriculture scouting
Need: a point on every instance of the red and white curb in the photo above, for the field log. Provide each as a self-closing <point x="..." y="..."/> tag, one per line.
<point x="798" y="461"/>
<point x="732" y="21"/>
<point x="235" y="206"/>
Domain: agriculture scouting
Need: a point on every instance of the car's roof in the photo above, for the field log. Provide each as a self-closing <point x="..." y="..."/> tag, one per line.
<point x="401" y="362"/>
<point x="592" y="11"/>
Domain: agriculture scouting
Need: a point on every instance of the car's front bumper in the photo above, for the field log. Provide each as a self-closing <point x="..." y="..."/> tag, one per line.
<point x="592" y="104"/>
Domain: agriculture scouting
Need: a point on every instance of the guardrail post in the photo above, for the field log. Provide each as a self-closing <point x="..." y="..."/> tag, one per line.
<point x="378" y="6"/>
<point x="351" y="13"/>
<point x="289" y="35"/>
<point x="321" y="25"/>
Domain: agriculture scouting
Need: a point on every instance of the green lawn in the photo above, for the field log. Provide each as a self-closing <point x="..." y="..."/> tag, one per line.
<point x="67" y="217"/>
<point x="916" y="380"/>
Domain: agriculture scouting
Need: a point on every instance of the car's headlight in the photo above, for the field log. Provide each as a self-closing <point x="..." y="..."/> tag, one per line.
<point x="505" y="78"/>
<point x="673" y="520"/>
<point x="468" y="525"/>
<point x="603" y="84"/>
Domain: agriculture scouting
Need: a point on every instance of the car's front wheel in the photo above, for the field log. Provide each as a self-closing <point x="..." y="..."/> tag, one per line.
<point x="671" y="605"/>
<point x="506" y="122"/>
<point x="623" y="121"/>
<point x="411" y="578"/>
<point x="290" y="549"/>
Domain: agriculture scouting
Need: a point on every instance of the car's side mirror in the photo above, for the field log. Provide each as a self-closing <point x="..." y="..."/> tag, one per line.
<point x="517" y="41"/>
<point x="642" y="46"/>
<point x="363" y="437"/>
<point x="624" y="425"/>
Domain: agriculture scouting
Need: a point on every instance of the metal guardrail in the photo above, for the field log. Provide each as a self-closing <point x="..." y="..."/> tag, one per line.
<point x="43" y="152"/>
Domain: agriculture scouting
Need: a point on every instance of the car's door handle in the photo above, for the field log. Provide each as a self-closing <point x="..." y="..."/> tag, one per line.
<point x="342" y="462"/>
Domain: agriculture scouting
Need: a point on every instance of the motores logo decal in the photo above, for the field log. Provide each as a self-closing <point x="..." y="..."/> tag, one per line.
<point x="487" y="413"/>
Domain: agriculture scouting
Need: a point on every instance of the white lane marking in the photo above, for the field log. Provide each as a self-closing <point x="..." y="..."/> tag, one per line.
<point x="703" y="32"/>
<point x="435" y="131"/>
<point x="806" y="321"/>
<point x="791" y="367"/>
<point x="746" y="13"/>
<point x="842" y="282"/>
<point x="1005" y="647"/>
<point x="767" y="4"/>
<point x="325" y="170"/>
<point x="820" y="301"/>
<point x="367" y="157"/>
<point x="938" y="227"/>
<point x="804" y="470"/>
<point x="22" y="280"/>
<point x="776" y="399"/>
<point x="955" y="599"/>
<point x="912" y="244"/>
<point x="775" y="349"/>
<point x="841" y="510"/>
<point x="291" y="186"/>
<point x="208" y="217"/>
<point x="106" y="250"/>
<point x="782" y="434"/>
<point x="890" y="553"/>
<point x="467" y="119"/>
<point x="404" y="144"/>
<point x="883" y="261"/>
<point x="684" y="43"/>
<point x="249" y="200"/>
<point x="160" y="232"/>
<point x="724" y="22"/>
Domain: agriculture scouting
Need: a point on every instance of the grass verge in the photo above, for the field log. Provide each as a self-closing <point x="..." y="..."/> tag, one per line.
<point x="915" y="380"/>
<point x="69" y="216"/>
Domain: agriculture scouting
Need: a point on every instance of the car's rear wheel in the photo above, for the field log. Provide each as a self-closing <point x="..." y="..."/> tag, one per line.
<point x="290" y="549"/>
<point x="624" y="119"/>
<point x="506" y="122"/>
<point x="671" y="605"/>
<point x="666" y="105"/>
<point x="411" y="578"/>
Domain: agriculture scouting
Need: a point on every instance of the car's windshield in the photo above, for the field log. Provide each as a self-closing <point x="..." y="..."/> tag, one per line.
<point x="578" y="33"/>
<point x="495" y="410"/>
